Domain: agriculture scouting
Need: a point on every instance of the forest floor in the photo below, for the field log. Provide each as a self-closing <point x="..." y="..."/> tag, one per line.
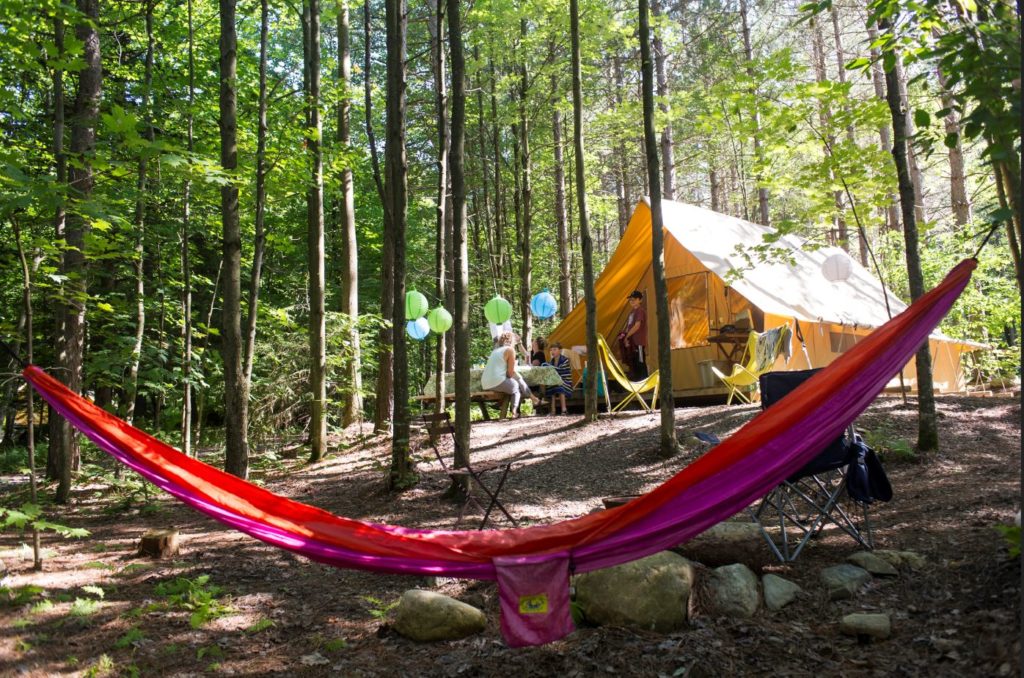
<point x="100" y="609"/>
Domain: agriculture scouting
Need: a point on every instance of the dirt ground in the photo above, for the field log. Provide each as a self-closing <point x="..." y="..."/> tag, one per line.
<point x="102" y="610"/>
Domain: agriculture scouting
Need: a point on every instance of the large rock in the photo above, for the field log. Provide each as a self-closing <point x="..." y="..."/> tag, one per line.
<point x="425" y="615"/>
<point x="733" y="592"/>
<point x="727" y="542"/>
<point x="778" y="592"/>
<point x="875" y="564"/>
<point x="650" y="593"/>
<point x="914" y="561"/>
<point x="843" y="581"/>
<point x="865" y="624"/>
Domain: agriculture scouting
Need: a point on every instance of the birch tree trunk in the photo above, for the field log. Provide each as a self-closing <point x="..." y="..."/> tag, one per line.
<point x="762" y="192"/>
<point x="186" y="264"/>
<point x="441" y="101"/>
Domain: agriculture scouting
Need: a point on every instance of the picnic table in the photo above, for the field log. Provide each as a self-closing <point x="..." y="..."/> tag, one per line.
<point x="543" y="375"/>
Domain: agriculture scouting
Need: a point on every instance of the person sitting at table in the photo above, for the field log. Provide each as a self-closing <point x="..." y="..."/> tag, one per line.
<point x="561" y="364"/>
<point x="500" y="373"/>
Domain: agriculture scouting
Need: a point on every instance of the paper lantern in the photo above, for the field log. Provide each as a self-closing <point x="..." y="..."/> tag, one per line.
<point x="418" y="329"/>
<point x="543" y="305"/>
<point x="837" y="267"/>
<point x="440" y="320"/>
<point x="415" y="305"/>
<point x="497" y="310"/>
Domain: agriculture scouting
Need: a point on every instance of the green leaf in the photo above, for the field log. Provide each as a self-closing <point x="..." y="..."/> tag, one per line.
<point x="951" y="140"/>
<point x="921" y="118"/>
<point x="104" y="306"/>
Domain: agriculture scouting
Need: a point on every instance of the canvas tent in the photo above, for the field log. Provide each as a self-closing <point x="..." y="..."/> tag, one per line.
<point x="703" y="254"/>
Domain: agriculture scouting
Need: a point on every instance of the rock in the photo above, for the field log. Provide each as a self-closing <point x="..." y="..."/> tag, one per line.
<point x="650" y="593"/>
<point x="778" y="592"/>
<point x="869" y="625"/>
<point x="915" y="561"/>
<point x="426" y="615"/>
<point x="726" y="543"/>
<point x="733" y="591"/>
<point x="874" y="564"/>
<point x="843" y="581"/>
<point x="159" y="543"/>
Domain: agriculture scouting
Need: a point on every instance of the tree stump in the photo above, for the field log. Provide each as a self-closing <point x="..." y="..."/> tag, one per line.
<point x="159" y="543"/>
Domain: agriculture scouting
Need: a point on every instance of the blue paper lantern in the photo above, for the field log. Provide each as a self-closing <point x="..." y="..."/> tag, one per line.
<point x="418" y="329"/>
<point x="543" y="305"/>
<point x="415" y="305"/>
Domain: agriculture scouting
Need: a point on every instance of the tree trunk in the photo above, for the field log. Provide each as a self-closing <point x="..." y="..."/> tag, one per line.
<point x="186" y="265"/>
<point x="526" y="264"/>
<point x="499" y="197"/>
<point x="762" y="192"/>
<point x="315" y="246"/>
<point x="401" y="474"/>
<point x="927" y="436"/>
<point x="564" y="300"/>
<point x="59" y="429"/>
<point x="81" y="182"/>
<point x="668" y="167"/>
<point x="259" y="246"/>
<point x="461" y="268"/>
<point x="959" y="199"/>
<point x="590" y="382"/>
<point x="838" y="235"/>
<point x="140" y="227"/>
<point x="915" y="169"/>
<point x="668" y="446"/>
<point x="236" y="392"/>
<point x="352" y="398"/>
<point x="441" y="100"/>
<point x="385" y="359"/>
<point x="621" y="190"/>
<point x="892" y="218"/>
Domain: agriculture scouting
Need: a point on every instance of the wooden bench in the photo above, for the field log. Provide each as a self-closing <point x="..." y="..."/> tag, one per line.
<point x="482" y="398"/>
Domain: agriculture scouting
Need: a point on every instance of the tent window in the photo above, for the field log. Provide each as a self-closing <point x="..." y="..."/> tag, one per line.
<point x="841" y="342"/>
<point x="688" y="310"/>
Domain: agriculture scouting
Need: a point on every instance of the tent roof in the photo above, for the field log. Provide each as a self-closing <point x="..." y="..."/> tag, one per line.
<point x="796" y="288"/>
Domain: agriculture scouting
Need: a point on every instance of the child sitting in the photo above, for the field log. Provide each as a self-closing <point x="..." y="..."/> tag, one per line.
<point x="561" y="364"/>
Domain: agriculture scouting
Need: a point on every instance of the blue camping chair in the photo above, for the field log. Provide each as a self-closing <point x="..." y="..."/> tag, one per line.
<point x="841" y="482"/>
<point x="835" y="486"/>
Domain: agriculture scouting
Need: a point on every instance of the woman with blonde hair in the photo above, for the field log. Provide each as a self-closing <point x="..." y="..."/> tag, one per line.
<point x="500" y="373"/>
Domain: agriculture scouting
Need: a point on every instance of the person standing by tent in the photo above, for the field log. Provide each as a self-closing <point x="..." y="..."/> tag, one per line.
<point x="633" y="337"/>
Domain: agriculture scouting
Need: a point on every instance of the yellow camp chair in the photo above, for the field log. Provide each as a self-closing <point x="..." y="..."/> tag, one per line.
<point x="633" y="388"/>
<point x="760" y="355"/>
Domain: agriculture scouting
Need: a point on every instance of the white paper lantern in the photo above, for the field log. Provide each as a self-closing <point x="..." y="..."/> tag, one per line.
<point x="837" y="267"/>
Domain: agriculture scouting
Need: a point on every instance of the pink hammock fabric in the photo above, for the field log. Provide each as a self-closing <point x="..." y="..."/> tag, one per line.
<point x="532" y="564"/>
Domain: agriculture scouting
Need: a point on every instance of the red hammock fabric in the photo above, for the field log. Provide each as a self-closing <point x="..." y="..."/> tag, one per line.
<point x="722" y="482"/>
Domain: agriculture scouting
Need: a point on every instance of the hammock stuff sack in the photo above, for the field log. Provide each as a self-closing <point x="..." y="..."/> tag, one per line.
<point x="532" y="565"/>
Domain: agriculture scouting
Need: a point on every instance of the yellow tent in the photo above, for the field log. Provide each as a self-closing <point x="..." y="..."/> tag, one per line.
<point x="717" y="294"/>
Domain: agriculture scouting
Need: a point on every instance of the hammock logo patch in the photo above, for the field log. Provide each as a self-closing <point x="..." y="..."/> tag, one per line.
<point x="537" y="604"/>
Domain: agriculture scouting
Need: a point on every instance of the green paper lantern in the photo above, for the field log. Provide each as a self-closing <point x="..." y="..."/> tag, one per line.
<point x="440" y="320"/>
<point x="416" y="305"/>
<point x="497" y="310"/>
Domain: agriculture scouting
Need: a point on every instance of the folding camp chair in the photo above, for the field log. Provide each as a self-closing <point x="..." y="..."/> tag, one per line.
<point x="439" y="427"/>
<point x="634" y="389"/>
<point x="760" y="355"/>
<point x="833" y="487"/>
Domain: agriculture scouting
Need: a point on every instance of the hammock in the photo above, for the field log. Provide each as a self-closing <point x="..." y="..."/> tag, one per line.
<point x="532" y="565"/>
